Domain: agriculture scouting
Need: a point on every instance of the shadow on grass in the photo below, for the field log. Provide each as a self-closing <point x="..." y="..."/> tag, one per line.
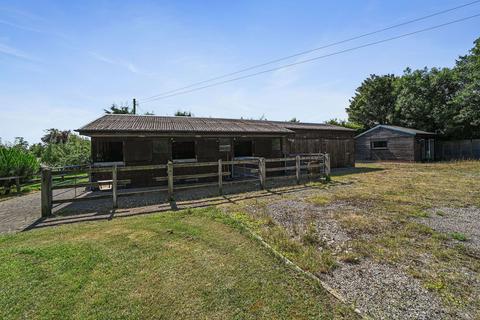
<point x="351" y="171"/>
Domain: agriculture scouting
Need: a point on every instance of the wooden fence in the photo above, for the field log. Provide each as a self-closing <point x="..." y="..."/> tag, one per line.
<point x="17" y="181"/>
<point x="457" y="149"/>
<point x="258" y="168"/>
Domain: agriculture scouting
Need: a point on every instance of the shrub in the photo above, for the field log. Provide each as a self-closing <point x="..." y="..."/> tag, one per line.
<point x="17" y="162"/>
<point x="75" y="151"/>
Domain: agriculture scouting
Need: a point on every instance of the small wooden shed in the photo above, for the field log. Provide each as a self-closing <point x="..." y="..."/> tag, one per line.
<point x="386" y="142"/>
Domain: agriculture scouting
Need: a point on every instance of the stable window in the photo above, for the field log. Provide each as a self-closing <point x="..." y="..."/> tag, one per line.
<point x="109" y="151"/>
<point x="243" y="148"/>
<point x="160" y="147"/>
<point x="224" y="145"/>
<point x="379" y="144"/>
<point x="276" y="144"/>
<point x="182" y="150"/>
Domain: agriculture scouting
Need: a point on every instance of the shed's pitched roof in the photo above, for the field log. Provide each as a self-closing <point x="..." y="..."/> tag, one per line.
<point x="114" y="123"/>
<point x="409" y="131"/>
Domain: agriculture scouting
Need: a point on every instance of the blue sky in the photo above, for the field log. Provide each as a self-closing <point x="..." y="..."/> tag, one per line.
<point x="62" y="62"/>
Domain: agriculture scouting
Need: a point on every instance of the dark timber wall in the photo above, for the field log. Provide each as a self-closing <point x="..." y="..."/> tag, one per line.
<point x="339" y="144"/>
<point x="401" y="146"/>
<point x="457" y="149"/>
<point x="158" y="150"/>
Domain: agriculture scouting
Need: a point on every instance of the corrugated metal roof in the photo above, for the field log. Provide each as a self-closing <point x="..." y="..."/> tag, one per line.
<point x="409" y="131"/>
<point x="113" y="123"/>
<point x="134" y="123"/>
<point x="163" y="124"/>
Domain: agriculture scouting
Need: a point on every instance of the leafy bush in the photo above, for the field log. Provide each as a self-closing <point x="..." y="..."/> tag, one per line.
<point x="17" y="162"/>
<point x="75" y="151"/>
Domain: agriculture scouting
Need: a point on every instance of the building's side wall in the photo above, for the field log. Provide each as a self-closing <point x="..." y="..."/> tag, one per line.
<point x="400" y="146"/>
<point x="153" y="150"/>
<point x="339" y="144"/>
<point x="158" y="150"/>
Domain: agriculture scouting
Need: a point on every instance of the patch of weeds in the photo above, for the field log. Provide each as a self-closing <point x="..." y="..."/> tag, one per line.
<point x="350" y="257"/>
<point x="458" y="236"/>
<point x="419" y="229"/>
<point x="440" y="236"/>
<point x="310" y="237"/>
<point x="415" y="273"/>
<point x="359" y="223"/>
<point x="436" y="284"/>
<point x="279" y="237"/>
<point x="361" y="248"/>
<point x="269" y="222"/>
<point x="327" y="262"/>
<point x="440" y="213"/>
<point x="307" y="256"/>
<point x="320" y="200"/>
<point x="419" y="213"/>
<point x="318" y="261"/>
<point x="462" y="249"/>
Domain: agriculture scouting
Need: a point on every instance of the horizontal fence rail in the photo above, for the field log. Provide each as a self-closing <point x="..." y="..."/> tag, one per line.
<point x="227" y="172"/>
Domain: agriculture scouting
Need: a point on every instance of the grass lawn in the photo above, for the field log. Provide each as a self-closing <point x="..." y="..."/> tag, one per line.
<point x="193" y="264"/>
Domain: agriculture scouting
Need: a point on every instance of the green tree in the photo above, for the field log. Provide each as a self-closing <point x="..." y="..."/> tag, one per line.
<point x="374" y="102"/>
<point x="37" y="149"/>
<point x="295" y="120"/>
<point x="181" y="113"/>
<point x="414" y="107"/>
<point x="55" y="136"/>
<point x="466" y="122"/>
<point x="20" y="143"/>
<point x="345" y="124"/>
<point x="75" y="151"/>
<point x="119" y="109"/>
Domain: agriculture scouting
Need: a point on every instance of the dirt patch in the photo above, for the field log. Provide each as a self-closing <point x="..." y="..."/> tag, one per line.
<point x="379" y="290"/>
<point x="462" y="225"/>
<point x="296" y="217"/>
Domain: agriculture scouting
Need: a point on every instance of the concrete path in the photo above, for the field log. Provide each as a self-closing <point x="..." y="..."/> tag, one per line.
<point x="24" y="212"/>
<point x="19" y="212"/>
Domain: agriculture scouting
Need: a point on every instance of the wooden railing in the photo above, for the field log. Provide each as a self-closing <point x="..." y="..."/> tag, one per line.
<point x="259" y="167"/>
<point x="17" y="181"/>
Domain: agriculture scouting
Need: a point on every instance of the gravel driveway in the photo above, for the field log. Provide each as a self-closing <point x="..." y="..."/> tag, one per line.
<point x="460" y="221"/>
<point x="379" y="290"/>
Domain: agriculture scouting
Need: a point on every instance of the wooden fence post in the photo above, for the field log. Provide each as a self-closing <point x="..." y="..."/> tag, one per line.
<point x="297" y="168"/>
<point x="262" y="172"/>
<point x="90" y="176"/>
<point x="46" y="192"/>
<point x="170" y="179"/>
<point x="220" y="177"/>
<point x="327" y="166"/>
<point x="17" y="184"/>
<point x="114" y="186"/>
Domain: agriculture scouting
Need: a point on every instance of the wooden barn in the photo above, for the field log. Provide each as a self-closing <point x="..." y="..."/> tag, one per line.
<point x="133" y="140"/>
<point x="385" y="142"/>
